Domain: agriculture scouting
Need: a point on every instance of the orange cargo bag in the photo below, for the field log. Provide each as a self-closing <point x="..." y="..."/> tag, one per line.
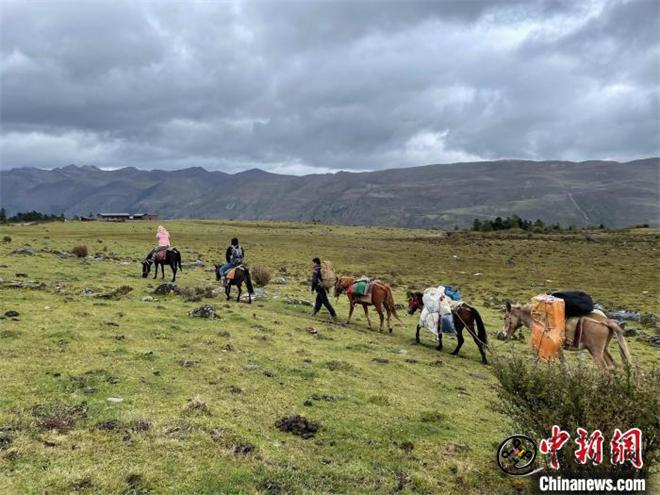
<point x="548" y="326"/>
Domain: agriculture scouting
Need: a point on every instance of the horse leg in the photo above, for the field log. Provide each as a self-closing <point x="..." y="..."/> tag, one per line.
<point x="238" y="298"/>
<point x="608" y="359"/>
<point x="227" y="290"/>
<point x="366" y="313"/>
<point x="156" y="271"/>
<point x="479" y="345"/>
<point x="173" y="267"/>
<point x="162" y="269"/>
<point x="596" y="344"/>
<point x="389" y="319"/>
<point x="388" y="313"/>
<point x="606" y="353"/>
<point x="379" y="310"/>
<point x="564" y="363"/>
<point x="460" y="340"/>
<point x="597" y="356"/>
<point x="351" y="307"/>
<point x="417" y="334"/>
<point x="439" y="330"/>
<point x="473" y="332"/>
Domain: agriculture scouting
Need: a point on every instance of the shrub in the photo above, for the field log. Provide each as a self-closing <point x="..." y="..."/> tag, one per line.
<point x="196" y="293"/>
<point x="261" y="276"/>
<point x="6" y="238"/>
<point x="80" y="251"/>
<point x="537" y="397"/>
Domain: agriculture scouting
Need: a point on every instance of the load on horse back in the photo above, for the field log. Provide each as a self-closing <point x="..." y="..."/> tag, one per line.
<point x="376" y="293"/>
<point x="236" y="276"/>
<point x="592" y="331"/>
<point x="170" y="256"/>
<point x="461" y="316"/>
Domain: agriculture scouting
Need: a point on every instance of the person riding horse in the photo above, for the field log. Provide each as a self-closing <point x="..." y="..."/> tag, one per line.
<point x="234" y="257"/>
<point x="163" y="237"/>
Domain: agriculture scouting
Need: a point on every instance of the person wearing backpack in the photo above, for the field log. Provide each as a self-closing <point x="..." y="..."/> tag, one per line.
<point x="234" y="257"/>
<point x="321" y="290"/>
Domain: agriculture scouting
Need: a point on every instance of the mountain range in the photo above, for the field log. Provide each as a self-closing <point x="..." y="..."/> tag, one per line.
<point x="571" y="193"/>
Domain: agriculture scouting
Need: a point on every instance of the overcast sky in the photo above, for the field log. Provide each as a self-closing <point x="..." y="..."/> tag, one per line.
<point x="299" y="87"/>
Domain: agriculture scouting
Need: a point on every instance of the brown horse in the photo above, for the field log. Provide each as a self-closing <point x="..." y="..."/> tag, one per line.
<point x="464" y="316"/>
<point x="597" y="331"/>
<point x="381" y="297"/>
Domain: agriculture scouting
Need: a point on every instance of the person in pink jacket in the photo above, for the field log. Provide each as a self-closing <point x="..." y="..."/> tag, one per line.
<point x="163" y="237"/>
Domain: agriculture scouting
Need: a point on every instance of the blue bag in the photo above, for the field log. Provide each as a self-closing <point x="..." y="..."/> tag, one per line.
<point x="453" y="293"/>
<point x="447" y="324"/>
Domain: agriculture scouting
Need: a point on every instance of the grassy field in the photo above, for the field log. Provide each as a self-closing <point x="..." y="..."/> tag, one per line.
<point x="201" y="397"/>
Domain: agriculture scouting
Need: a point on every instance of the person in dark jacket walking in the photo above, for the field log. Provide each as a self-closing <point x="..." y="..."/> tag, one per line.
<point x="321" y="292"/>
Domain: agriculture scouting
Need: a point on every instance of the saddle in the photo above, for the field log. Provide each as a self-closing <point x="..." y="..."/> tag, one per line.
<point x="366" y="299"/>
<point x="361" y="287"/>
<point x="232" y="273"/>
<point x="455" y="305"/>
<point x="161" y="256"/>
<point x="574" y="327"/>
<point x="361" y="291"/>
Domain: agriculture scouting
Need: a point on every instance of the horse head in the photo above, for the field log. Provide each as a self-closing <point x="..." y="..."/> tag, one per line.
<point x="342" y="284"/>
<point x="414" y="302"/>
<point x="513" y="320"/>
<point x="146" y="268"/>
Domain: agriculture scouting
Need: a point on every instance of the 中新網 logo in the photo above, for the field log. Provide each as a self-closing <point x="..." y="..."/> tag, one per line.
<point x="516" y="456"/>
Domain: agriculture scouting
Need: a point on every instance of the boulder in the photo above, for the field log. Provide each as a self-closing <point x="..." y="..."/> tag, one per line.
<point x="164" y="289"/>
<point x="206" y="311"/>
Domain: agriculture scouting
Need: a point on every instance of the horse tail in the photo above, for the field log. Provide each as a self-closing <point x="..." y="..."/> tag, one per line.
<point x="389" y="302"/>
<point x="621" y="342"/>
<point x="177" y="260"/>
<point x="481" y="328"/>
<point x="248" y="281"/>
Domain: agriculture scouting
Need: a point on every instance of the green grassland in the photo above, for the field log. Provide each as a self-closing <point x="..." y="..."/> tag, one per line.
<point x="201" y="397"/>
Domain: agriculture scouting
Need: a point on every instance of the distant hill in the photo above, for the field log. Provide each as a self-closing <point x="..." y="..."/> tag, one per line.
<point x="585" y="193"/>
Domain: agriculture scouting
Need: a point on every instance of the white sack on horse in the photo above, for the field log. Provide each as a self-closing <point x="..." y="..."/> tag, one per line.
<point x="436" y="301"/>
<point x="436" y="305"/>
<point x="429" y="320"/>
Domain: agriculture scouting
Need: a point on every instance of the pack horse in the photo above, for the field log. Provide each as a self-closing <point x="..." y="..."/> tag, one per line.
<point x="593" y="332"/>
<point x="462" y="315"/>
<point x="378" y="294"/>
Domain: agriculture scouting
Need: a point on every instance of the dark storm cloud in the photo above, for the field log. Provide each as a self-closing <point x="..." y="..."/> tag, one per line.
<point x="316" y="86"/>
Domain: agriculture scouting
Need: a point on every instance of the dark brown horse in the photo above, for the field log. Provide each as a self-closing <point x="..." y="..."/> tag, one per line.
<point x="381" y="297"/>
<point x="242" y="274"/>
<point x="464" y="316"/>
<point x="170" y="257"/>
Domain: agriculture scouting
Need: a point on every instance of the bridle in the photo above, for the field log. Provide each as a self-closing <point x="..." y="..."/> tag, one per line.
<point x="415" y="304"/>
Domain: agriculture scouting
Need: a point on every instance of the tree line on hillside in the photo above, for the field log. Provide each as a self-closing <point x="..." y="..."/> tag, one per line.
<point x="515" y="222"/>
<point x="29" y="216"/>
